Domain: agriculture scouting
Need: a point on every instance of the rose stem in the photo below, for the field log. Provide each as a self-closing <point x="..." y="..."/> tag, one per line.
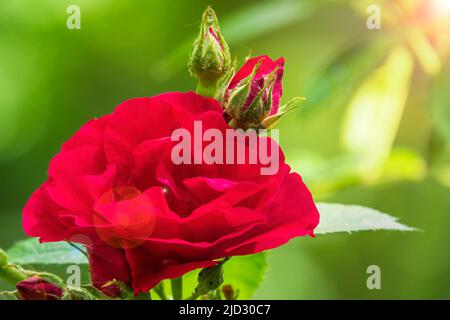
<point x="12" y="274"/>
<point x="205" y="90"/>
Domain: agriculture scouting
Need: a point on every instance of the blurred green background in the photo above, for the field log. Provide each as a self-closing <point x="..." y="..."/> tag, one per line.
<point x="374" y="131"/>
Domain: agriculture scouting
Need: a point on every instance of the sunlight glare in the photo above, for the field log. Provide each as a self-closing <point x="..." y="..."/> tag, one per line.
<point x="442" y="6"/>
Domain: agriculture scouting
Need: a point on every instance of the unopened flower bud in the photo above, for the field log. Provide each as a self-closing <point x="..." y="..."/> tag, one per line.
<point x="210" y="57"/>
<point x="36" y="288"/>
<point x="254" y="93"/>
<point x="209" y="279"/>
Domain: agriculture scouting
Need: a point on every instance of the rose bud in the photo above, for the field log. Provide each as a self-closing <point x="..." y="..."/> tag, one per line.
<point x="209" y="279"/>
<point x="252" y="99"/>
<point x="36" y="288"/>
<point x="210" y="57"/>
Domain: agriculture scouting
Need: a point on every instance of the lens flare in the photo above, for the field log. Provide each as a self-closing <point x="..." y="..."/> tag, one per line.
<point x="442" y="6"/>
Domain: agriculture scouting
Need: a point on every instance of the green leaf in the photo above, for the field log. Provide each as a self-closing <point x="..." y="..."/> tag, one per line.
<point x="32" y="252"/>
<point x="347" y="218"/>
<point x="244" y="273"/>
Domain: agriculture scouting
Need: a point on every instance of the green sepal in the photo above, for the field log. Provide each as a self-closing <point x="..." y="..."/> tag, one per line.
<point x="270" y="121"/>
<point x="83" y="293"/>
<point x="239" y="94"/>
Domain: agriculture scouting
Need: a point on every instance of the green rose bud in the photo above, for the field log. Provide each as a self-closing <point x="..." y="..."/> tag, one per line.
<point x="209" y="279"/>
<point x="210" y="58"/>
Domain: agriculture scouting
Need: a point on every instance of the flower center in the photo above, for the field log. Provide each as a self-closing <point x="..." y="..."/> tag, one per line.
<point x="124" y="217"/>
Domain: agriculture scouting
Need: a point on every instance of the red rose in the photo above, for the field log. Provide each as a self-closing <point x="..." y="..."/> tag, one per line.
<point x="148" y="219"/>
<point x="36" y="288"/>
<point x="254" y="92"/>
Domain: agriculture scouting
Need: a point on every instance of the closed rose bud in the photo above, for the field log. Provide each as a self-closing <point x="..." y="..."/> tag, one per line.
<point x="254" y="92"/>
<point x="209" y="279"/>
<point x="210" y="57"/>
<point x="36" y="288"/>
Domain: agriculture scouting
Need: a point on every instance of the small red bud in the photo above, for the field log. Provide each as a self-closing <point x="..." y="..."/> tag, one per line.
<point x="36" y="288"/>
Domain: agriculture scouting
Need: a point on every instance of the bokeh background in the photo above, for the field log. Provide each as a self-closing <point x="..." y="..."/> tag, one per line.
<point x="374" y="131"/>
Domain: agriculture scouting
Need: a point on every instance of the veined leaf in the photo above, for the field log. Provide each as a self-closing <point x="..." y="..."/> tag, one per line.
<point x="244" y="273"/>
<point x="347" y="218"/>
<point x="32" y="252"/>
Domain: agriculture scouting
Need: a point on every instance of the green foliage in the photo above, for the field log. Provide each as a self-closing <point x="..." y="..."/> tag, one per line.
<point x="32" y="252"/>
<point x="348" y="218"/>
<point x="244" y="273"/>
